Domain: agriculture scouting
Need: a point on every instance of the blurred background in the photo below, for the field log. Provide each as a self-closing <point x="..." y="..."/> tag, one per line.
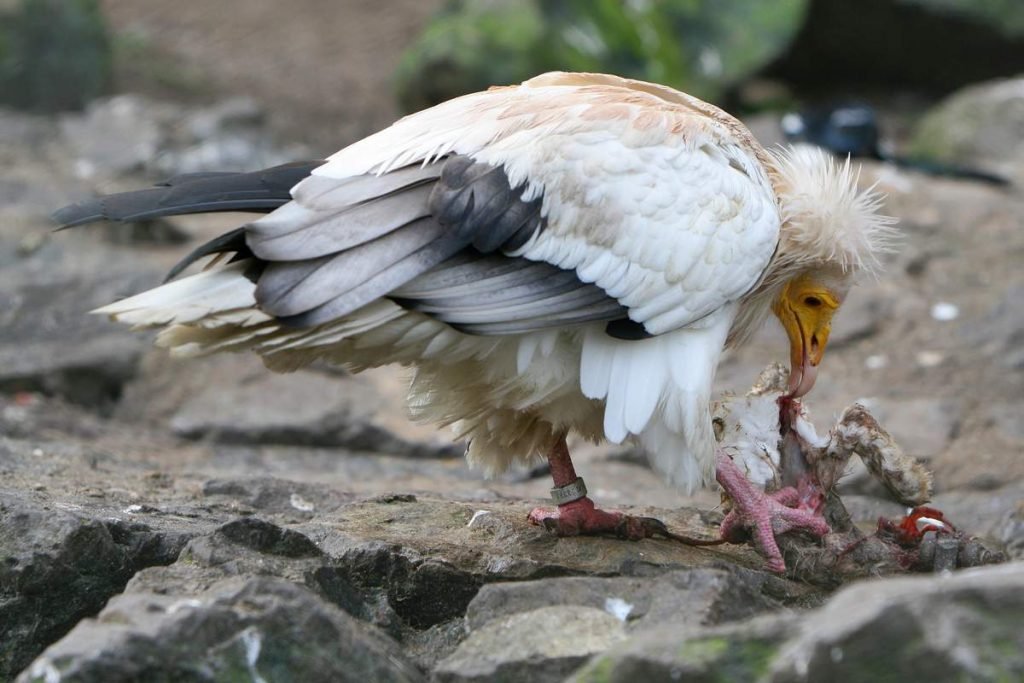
<point x="103" y="95"/>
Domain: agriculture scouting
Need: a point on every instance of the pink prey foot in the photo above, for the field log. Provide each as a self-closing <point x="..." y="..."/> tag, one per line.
<point x="582" y="518"/>
<point x="766" y="516"/>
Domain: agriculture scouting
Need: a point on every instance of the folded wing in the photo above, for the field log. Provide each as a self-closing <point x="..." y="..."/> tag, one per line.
<point x="433" y="237"/>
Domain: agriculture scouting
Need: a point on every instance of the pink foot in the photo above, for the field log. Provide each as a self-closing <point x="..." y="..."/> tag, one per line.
<point x="766" y="516"/>
<point x="583" y="518"/>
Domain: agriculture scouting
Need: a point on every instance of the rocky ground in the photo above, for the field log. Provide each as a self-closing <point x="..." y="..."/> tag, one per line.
<point x="207" y="520"/>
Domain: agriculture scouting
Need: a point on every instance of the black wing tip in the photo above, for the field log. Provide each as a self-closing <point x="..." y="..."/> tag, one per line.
<point x="627" y="330"/>
<point x="191" y="193"/>
<point x="79" y="213"/>
<point x="231" y="241"/>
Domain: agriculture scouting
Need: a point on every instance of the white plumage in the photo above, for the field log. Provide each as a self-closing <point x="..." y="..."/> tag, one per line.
<point x="664" y="203"/>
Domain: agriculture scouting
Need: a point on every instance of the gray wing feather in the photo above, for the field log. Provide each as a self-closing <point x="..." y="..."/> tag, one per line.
<point x="292" y="287"/>
<point x="495" y="289"/>
<point x="599" y="312"/>
<point x="466" y="273"/>
<point x="431" y="238"/>
<point x="297" y="232"/>
<point x="379" y="284"/>
<point x="490" y="297"/>
<point x="318" y="192"/>
<point x="478" y="202"/>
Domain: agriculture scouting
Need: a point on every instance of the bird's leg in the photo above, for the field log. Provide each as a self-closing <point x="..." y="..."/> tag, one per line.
<point x="577" y="515"/>
<point x="766" y="515"/>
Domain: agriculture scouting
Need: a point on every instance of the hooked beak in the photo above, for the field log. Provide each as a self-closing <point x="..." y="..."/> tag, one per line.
<point x="802" y="375"/>
<point x="805" y="308"/>
<point x="808" y="335"/>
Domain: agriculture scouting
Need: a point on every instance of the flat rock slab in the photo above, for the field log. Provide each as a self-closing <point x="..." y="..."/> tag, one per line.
<point x="495" y="540"/>
<point x="677" y="598"/>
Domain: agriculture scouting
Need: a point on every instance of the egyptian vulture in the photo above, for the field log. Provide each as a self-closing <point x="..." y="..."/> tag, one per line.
<point x="571" y="254"/>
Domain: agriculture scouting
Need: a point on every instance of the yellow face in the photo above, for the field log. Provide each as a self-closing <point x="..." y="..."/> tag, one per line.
<point x="805" y="307"/>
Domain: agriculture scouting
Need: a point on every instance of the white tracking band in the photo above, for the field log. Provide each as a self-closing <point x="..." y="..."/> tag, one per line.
<point x="570" y="492"/>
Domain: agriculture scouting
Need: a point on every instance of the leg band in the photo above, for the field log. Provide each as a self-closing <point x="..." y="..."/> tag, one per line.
<point x="570" y="492"/>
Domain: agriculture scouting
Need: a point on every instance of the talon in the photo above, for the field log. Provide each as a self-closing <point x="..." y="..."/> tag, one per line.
<point x="653" y="526"/>
<point x="622" y="529"/>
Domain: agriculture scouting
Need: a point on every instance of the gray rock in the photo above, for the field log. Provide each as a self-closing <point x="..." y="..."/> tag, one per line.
<point x="18" y="130"/>
<point x="128" y="134"/>
<point x="999" y="333"/>
<point x="397" y="587"/>
<point x="739" y="652"/>
<point x="498" y="544"/>
<point x="1011" y="532"/>
<point x="677" y="598"/>
<point x="996" y="514"/>
<point x="946" y="628"/>
<point x="117" y="135"/>
<point x="255" y="628"/>
<point x="280" y="496"/>
<point x="922" y="426"/>
<point x="267" y="538"/>
<point x="964" y="627"/>
<point x="238" y="401"/>
<point x="1007" y="419"/>
<point x="57" y="567"/>
<point x="982" y="124"/>
<point x="50" y="343"/>
<point x="417" y="601"/>
<point x="227" y="136"/>
<point x="372" y="560"/>
<point x="304" y="408"/>
<point x="541" y="645"/>
<point x="860" y="317"/>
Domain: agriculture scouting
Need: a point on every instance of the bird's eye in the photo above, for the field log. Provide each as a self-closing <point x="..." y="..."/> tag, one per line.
<point x="812" y="301"/>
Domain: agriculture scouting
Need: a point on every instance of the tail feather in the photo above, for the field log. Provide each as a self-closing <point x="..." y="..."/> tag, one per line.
<point x="258" y="191"/>
<point x="188" y="300"/>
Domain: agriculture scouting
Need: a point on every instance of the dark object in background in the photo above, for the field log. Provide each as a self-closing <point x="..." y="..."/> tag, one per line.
<point x="55" y="55"/>
<point x="851" y="129"/>
<point x="934" y="46"/>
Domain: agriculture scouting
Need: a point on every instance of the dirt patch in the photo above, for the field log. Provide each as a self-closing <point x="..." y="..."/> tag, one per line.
<point x="323" y="68"/>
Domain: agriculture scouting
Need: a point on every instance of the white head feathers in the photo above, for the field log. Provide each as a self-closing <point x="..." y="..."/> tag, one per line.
<point x="826" y="219"/>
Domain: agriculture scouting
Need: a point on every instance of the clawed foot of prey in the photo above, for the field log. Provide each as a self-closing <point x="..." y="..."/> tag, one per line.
<point x="765" y="515"/>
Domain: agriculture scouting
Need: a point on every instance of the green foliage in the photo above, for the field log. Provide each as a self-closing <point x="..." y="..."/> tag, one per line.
<point x="467" y="47"/>
<point x="54" y="54"/>
<point x="700" y="46"/>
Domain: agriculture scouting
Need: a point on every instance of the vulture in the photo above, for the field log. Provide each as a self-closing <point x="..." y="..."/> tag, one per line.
<point x="567" y="255"/>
